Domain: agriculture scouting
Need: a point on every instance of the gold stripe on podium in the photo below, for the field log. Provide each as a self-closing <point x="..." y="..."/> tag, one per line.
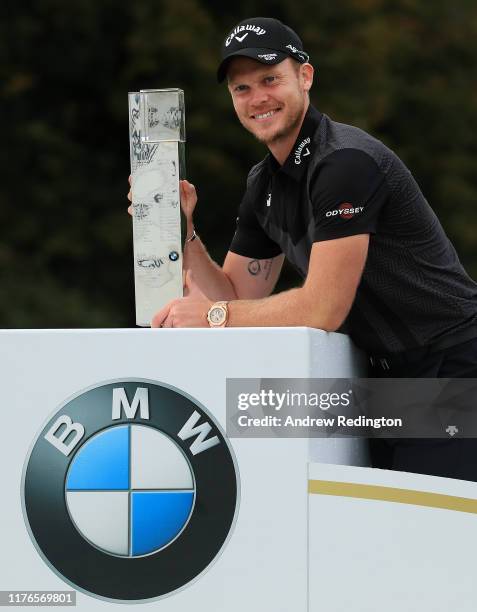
<point x="392" y="494"/>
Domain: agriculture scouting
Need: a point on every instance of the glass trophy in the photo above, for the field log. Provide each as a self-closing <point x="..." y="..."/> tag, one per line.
<point x="157" y="141"/>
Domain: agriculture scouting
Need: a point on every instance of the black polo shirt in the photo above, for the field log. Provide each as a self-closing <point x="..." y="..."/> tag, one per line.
<point x="339" y="181"/>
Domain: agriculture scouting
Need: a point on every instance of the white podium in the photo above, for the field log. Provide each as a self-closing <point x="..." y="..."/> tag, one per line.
<point x="261" y="564"/>
<point x="120" y="487"/>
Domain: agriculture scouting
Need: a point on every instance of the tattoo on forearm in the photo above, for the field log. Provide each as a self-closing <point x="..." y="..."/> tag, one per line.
<point x="254" y="267"/>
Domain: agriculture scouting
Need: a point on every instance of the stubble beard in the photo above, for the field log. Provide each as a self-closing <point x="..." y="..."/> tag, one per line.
<point x="285" y="131"/>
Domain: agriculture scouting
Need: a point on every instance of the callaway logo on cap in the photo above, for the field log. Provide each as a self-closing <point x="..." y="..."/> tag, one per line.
<point x="264" y="39"/>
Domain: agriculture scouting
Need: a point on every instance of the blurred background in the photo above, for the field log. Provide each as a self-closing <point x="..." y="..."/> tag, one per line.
<point x="404" y="70"/>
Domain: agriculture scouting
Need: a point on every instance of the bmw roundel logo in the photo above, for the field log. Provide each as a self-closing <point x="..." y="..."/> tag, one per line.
<point x="130" y="490"/>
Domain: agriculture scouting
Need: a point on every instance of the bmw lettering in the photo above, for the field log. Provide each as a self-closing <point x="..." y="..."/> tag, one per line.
<point x="130" y="490"/>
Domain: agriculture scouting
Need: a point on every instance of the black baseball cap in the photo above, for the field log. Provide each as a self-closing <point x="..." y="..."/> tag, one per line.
<point x="264" y="39"/>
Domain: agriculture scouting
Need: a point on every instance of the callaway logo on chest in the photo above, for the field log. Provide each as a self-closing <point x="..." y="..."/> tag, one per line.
<point x="302" y="150"/>
<point x="246" y="29"/>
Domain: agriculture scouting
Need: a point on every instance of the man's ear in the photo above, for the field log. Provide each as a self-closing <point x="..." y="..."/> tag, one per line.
<point x="306" y="75"/>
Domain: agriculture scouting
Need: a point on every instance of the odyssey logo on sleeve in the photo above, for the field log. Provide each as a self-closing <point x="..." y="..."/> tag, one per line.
<point x="345" y="211"/>
<point x="130" y="490"/>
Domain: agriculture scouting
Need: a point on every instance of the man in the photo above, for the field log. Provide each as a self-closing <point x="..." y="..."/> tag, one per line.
<point x="348" y="214"/>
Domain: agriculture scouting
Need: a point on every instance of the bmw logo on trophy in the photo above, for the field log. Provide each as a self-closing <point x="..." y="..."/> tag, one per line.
<point x="157" y="140"/>
<point x="130" y="490"/>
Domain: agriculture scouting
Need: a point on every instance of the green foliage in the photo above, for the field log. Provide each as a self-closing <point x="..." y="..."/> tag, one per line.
<point x="402" y="70"/>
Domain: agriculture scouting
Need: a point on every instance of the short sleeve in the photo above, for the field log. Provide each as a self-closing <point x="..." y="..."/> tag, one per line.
<point x="348" y="192"/>
<point x="250" y="239"/>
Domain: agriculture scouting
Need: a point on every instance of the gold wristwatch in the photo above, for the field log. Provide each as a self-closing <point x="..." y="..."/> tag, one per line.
<point x="218" y="314"/>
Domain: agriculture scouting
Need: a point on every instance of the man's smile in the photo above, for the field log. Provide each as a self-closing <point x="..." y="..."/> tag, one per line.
<point x="266" y="115"/>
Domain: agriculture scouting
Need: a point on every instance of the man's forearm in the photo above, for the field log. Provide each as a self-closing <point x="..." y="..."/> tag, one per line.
<point x="293" y="308"/>
<point x="207" y="274"/>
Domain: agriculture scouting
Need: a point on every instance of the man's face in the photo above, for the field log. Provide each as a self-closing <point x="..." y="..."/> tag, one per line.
<point x="270" y="101"/>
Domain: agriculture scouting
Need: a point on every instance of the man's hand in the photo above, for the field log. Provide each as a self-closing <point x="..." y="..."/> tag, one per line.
<point x="189" y="311"/>
<point x="188" y="198"/>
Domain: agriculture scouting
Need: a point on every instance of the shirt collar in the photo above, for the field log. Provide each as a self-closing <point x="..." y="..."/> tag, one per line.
<point x="297" y="161"/>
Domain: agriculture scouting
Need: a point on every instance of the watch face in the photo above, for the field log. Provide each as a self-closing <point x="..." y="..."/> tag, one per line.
<point x="217" y="315"/>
